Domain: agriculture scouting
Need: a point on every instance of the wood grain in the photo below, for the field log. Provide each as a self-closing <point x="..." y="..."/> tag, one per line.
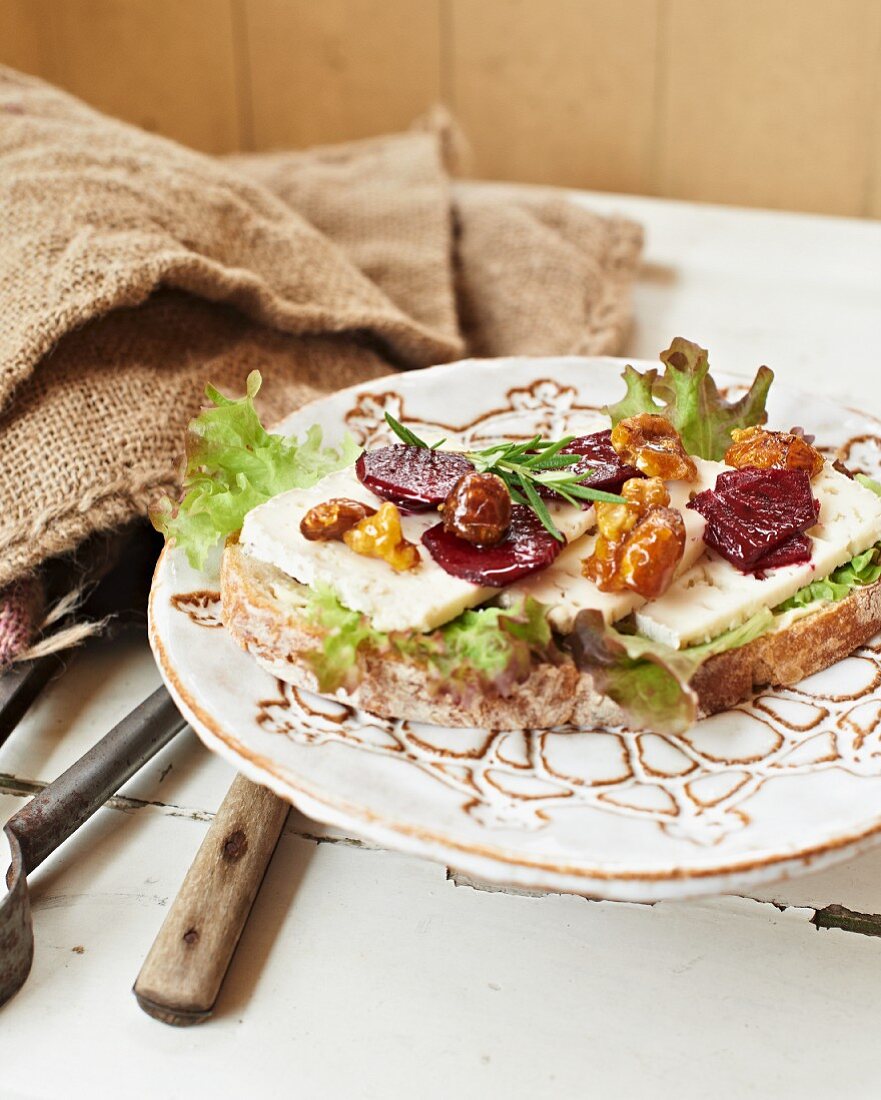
<point x="557" y="91"/>
<point x="165" y="66"/>
<point x="760" y="102"/>
<point x="339" y="69"/>
<point x="873" y="191"/>
<point x="768" y="102"/>
<point x="182" y="974"/>
<point x="20" y="35"/>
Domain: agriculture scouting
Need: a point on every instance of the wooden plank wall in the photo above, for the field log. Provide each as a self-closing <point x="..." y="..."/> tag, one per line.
<point x="772" y="103"/>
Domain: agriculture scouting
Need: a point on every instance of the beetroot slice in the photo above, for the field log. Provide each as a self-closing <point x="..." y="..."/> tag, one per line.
<point x="750" y="512"/>
<point x="414" y="478"/>
<point x="783" y="496"/>
<point x="600" y="464"/>
<point x="526" y="547"/>
<point x="795" y="551"/>
<point x="603" y="466"/>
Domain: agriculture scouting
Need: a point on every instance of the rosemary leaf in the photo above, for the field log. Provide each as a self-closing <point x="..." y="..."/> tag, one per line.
<point x="549" y="450"/>
<point x="555" y="462"/>
<point x="584" y="492"/>
<point x="404" y="434"/>
<point x="541" y="509"/>
<point x="516" y="451"/>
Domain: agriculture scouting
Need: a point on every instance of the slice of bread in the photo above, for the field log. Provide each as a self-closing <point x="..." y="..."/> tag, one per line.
<point x="263" y="611"/>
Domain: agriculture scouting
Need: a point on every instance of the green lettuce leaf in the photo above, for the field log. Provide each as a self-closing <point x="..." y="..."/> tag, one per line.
<point x="864" y="569"/>
<point x="491" y="645"/>
<point x="651" y="682"/>
<point x="233" y="464"/>
<point x="687" y="396"/>
<point x="498" y="643"/>
<point x="344" y="633"/>
<point x="869" y="483"/>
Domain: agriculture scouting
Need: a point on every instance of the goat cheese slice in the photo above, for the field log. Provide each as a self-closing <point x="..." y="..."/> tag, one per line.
<point x="713" y="596"/>
<point x="420" y="599"/>
<point x="565" y="591"/>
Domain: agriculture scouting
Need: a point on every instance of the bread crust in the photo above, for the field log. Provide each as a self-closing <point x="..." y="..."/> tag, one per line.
<point x="262" y="621"/>
<point x="787" y="656"/>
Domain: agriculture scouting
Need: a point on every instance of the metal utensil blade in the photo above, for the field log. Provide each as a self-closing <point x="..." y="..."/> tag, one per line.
<point x="59" y="809"/>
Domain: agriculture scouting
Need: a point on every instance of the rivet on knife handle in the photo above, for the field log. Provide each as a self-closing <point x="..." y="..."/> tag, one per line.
<point x="182" y="974"/>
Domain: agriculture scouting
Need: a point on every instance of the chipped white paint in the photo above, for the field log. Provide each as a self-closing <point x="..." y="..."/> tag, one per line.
<point x="365" y="973"/>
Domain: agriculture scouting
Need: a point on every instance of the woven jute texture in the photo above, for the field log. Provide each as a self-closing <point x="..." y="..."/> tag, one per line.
<point x="133" y="270"/>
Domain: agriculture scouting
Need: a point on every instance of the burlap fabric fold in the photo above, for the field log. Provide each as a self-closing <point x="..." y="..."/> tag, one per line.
<point x="133" y="270"/>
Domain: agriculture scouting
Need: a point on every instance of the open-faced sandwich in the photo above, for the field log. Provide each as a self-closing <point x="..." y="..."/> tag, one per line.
<point x="646" y="574"/>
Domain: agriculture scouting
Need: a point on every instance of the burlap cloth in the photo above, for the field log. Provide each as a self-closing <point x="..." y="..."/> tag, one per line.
<point x="133" y="270"/>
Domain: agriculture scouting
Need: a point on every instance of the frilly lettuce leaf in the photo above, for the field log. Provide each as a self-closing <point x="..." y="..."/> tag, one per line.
<point x="344" y="632"/>
<point x="687" y="396"/>
<point x="651" y="682"/>
<point x="233" y="464"/>
<point x="491" y="645"/>
<point x="864" y="569"/>
<point x="498" y="642"/>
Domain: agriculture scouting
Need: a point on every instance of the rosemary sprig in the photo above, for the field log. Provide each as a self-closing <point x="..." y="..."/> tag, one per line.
<point x="411" y="438"/>
<point x="524" y="468"/>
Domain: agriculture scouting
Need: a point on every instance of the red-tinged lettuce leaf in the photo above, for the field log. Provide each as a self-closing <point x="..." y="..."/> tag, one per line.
<point x="233" y="464"/>
<point x="654" y="694"/>
<point x="651" y="682"/>
<point x="688" y="397"/>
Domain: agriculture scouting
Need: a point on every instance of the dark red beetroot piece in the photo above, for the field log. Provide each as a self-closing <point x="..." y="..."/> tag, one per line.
<point x="526" y="547"/>
<point x="601" y="465"/>
<point x="795" y="551"/>
<point x="414" y="478"/>
<point x="752" y="512"/>
<point x="781" y="494"/>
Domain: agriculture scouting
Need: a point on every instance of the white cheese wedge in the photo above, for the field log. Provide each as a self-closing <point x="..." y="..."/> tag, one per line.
<point x="420" y="599"/>
<point x="713" y="596"/>
<point x="563" y="588"/>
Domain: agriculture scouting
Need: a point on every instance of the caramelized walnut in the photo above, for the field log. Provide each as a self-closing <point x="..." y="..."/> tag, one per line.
<point x="766" y="450"/>
<point x="641" y="493"/>
<point x="651" y="552"/>
<point x="614" y="523"/>
<point x="602" y="565"/>
<point x="615" y="520"/>
<point x="380" y="536"/>
<point x="330" y="520"/>
<point x="645" y="493"/>
<point x="652" y="445"/>
<point x="640" y="543"/>
<point x="478" y="509"/>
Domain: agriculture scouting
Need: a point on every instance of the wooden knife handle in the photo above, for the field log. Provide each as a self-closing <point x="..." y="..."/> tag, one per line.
<point x="182" y="974"/>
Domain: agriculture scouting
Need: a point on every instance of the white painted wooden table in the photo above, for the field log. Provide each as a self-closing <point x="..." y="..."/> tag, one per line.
<point x="363" y="973"/>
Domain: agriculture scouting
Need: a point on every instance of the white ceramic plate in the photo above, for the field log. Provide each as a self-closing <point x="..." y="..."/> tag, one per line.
<point x="787" y="782"/>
